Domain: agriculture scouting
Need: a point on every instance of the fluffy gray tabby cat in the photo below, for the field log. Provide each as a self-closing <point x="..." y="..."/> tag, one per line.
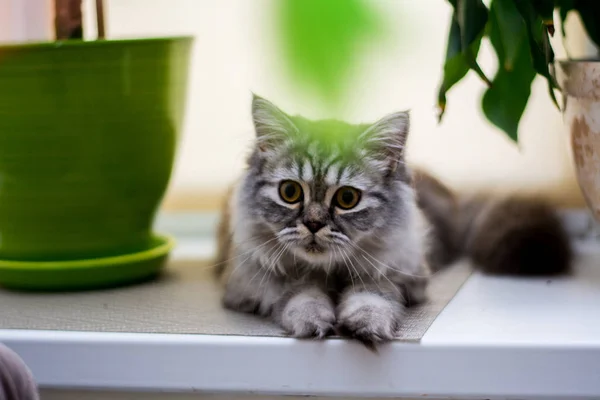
<point x="328" y="230"/>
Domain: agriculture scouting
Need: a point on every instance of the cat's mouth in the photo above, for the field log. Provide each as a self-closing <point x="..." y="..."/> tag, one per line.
<point x="314" y="247"/>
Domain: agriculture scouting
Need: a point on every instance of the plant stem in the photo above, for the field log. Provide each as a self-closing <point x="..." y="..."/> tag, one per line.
<point x="100" y="19"/>
<point x="68" y="20"/>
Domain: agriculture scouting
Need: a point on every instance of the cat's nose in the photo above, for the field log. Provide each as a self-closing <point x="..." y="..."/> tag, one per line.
<point x="314" y="226"/>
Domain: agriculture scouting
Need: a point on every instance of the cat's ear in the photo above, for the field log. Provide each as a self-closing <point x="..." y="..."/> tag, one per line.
<point x="385" y="140"/>
<point x="272" y="126"/>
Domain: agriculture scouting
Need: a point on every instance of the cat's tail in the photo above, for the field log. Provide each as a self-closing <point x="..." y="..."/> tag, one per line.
<point x="508" y="235"/>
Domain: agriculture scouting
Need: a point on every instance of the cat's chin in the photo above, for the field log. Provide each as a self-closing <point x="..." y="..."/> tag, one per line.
<point x="314" y="253"/>
<point x="314" y="248"/>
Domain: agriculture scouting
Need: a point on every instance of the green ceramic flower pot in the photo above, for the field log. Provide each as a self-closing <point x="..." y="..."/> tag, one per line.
<point x="88" y="133"/>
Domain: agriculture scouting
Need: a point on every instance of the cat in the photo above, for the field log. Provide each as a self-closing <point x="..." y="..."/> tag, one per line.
<point x="329" y="231"/>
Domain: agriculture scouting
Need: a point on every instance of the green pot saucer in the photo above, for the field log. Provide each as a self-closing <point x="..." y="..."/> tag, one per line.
<point x="87" y="274"/>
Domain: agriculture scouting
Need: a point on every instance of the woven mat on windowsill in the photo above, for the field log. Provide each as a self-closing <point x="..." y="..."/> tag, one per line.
<point x="185" y="300"/>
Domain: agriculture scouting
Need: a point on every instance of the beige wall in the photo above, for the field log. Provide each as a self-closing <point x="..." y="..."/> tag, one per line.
<point x="25" y="20"/>
<point x="235" y="54"/>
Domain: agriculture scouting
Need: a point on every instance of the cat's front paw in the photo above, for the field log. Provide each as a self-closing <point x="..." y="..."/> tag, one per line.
<point x="308" y="314"/>
<point x="368" y="318"/>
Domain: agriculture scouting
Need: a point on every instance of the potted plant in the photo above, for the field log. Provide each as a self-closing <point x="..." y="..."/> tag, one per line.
<point x="87" y="142"/>
<point x="519" y="31"/>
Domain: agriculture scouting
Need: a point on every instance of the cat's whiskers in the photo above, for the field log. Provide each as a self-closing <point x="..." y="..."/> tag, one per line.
<point x="259" y="270"/>
<point x="329" y="266"/>
<point x="288" y="235"/>
<point x="389" y="267"/>
<point x="346" y="265"/>
<point x="253" y="250"/>
<point x="267" y="275"/>
<point x="276" y="263"/>
<point x="376" y="281"/>
<point x="265" y="287"/>
<point x="352" y="254"/>
<point x="262" y="267"/>
<point x="354" y="268"/>
<point x="332" y="256"/>
<point x="271" y="256"/>
<point x="252" y="253"/>
<point x="381" y="273"/>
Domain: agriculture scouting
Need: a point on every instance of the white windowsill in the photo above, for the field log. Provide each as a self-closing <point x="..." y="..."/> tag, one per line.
<point x="498" y="338"/>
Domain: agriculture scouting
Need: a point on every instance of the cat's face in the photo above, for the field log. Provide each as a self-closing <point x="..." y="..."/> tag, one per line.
<point x="322" y="187"/>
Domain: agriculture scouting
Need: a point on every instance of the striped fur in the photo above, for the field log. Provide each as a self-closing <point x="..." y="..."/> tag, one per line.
<point x="358" y="272"/>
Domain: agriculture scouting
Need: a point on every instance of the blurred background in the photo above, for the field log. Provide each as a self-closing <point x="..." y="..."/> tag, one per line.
<point x="237" y="52"/>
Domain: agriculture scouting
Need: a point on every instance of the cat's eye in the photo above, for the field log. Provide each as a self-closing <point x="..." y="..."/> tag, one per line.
<point x="290" y="192"/>
<point x="347" y="197"/>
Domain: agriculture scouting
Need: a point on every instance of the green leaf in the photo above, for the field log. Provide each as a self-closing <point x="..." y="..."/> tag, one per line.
<point x="545" y="9"/>
<point x="539" y="44"/>
<point x="321" y="39"/>
<point x="472" y="17"/>
<point x="504" y="103"/>
<point x="549" y="53"/>
<point x="462" y="47"/>
<point x="471" y="59"/>
<point x="456" y="65"/>
<point x="508" y="21"/>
